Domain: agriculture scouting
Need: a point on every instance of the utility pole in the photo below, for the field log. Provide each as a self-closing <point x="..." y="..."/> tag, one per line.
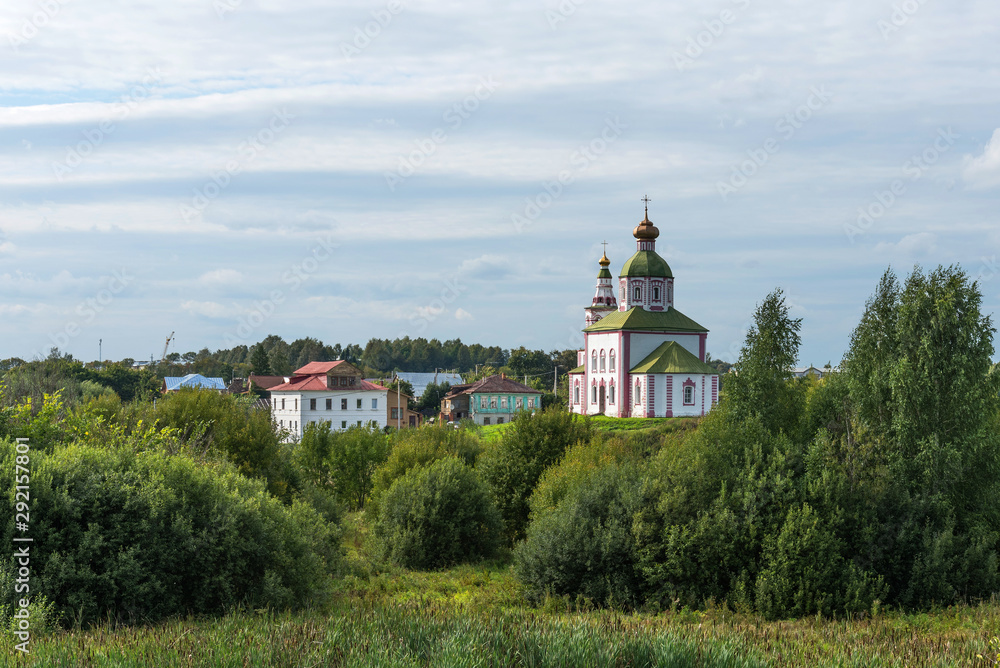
<point x="555" y="378"/>
<point x="100" y="360"/>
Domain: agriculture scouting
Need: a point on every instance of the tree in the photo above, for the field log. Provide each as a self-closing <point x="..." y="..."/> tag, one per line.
<point x="343" y="462"/>
<point x="760" y="386"/>
<point x="430" y="400"/>
<point x="437" y="515"/>
<point x="259" y="363"/>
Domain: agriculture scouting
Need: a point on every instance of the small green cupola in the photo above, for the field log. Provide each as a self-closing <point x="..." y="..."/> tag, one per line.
<point x="645" y="279"/>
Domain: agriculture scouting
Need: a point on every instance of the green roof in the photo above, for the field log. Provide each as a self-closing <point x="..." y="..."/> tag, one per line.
<point x="671" y="357"/>
<point x="604" y="273"/>
<point x="579" y="369"/>
<point x="646" y="263"/>
<point x="636" y="318"/>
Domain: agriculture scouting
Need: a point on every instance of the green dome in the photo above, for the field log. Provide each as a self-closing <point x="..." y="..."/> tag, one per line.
<point x="646" y="263"/>
<point x="604" y="273"/>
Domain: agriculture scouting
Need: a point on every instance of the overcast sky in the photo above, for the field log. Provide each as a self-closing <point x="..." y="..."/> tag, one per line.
<point x="229" y="169"/>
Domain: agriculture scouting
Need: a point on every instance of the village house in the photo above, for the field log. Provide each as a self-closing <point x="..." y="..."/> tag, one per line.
<point x="492" y="400"/>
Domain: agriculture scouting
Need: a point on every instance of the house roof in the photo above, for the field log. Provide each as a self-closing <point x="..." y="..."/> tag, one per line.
<point x="646" y="263"/>
<point x="318" y="367"/>
<point x="266" y="382"/>
<point x="671" y="357"/>
<point x="193" y="380"/>
<point x="579" y="369"/>
<point x="493" y="385"/>
<point x="637" y="318"/>
<point x="317" y="382"/>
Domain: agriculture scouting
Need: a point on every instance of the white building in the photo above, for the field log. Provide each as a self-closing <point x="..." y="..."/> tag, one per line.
<point x="332" y="392"/>
<point x="641" y="357"/>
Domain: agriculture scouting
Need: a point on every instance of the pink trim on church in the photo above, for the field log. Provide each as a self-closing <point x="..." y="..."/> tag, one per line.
<point x="670" y="396"/>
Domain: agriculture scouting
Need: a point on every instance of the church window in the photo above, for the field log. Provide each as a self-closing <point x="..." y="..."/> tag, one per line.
<point x="576" y="394"/>
<point x="638" y="393"/>
<point x="611" y="393"/>
<point x="611" y="361"/>
<point x="593" y="393"/>
<point x="593" y="361"/>
<point x="602" y="360"/>
<point x="689" y="395"/>
<point x="637" y="293"/>
<point x="656" y="293"/>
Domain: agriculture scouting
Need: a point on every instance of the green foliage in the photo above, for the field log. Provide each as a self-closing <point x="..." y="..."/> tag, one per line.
<point x="584" y="546"/>
<point x="430" y="400"/>
<point x="211" y="422"/>
<point x="140" y="536"/>
<point x="759" y="386"/>
<point x="259" y="363"/>
<point x="412" y="448"/>
<point x="513" y="466"/>
<point x="342" y="462"/>
<point x="437" y="515"/>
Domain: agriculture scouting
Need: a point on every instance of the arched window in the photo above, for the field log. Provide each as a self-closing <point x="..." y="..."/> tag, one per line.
<point x="611" y="361"/>
<point x="593" y="397"/>
<point x="576" y="394"/>
<point x="611" y="393"/>
<point x="656" y="293"/>
<point x="636" y="293"/>
<point x="602" y="360"/>
<point x="593" y="361"/>
<point x="638" y="392"/>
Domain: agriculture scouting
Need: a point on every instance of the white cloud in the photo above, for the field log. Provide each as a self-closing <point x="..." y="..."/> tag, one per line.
<point x="462" y="314"/>
<point x="984" y="170"/>
<point x="221" y="277"/>
<point x="210" y="309"/>
<point x="912" y="245"/>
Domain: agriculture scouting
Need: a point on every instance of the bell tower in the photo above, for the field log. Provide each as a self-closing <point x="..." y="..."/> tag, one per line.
<point x="604" y="296"/>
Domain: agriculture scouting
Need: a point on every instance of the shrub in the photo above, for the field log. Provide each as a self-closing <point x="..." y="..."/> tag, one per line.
<point x="513" y="466"/>
<point x="342" y="462"/>
<point x="585" y="546"/>
<point x="412" y="448"/>
<point x="145" y="535"/>
<point x="437" y="515"/>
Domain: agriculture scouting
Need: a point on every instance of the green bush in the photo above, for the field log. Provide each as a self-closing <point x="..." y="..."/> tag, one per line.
<point x="585" y="546"/>
<point x="145" y="535"/>
<point x="412" y="448"/>
<point x="513" y="466"/>
<point x="437" y="515"/>
<point x="342" y="462"/>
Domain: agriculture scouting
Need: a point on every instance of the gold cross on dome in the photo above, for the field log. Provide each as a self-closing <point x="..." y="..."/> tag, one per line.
<point x="605" y="244"/>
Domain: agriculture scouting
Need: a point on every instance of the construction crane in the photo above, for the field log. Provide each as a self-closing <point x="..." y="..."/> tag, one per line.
<point x="165" y="346"/>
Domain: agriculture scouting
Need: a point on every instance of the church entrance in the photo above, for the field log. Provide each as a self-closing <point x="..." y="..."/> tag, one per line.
<point x="600" y="405"/>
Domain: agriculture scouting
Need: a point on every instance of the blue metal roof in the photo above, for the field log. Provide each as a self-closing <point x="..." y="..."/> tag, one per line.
<point x="193" y="380"/>
<point x="420" y="381"/>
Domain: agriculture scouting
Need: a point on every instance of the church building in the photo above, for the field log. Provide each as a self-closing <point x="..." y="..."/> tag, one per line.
<point x="641" y="357"/>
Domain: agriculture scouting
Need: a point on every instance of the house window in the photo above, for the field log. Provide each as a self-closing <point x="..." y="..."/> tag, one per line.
<point x="359" y="423"/>
<point x="486" y="420"/>
<point x="503" y="402"/>
<point x="531" y="402"/>
<point x="611" y="393"/>
<point x="393" y="413"/>
<point x="576" y="395"/>
<point x="312" y="404"/>
<point x="593" y="394"/>
<point x="656" y="293"/>
<point x="359" y="404"/>
<point x="343" y="424"/>
<point x="282" y="403"/>
<point x="351" y="381"/>
<point x="519" y="403"/>
<point x="282" y="423"/>
<point x="343" y="381"/>
<point x="689" y="395"/>
<point x="329" y="404"/>
<point x="374" y="403"/>
<point x="275" y="404"/>
<point x="638" y="393"/>
<point x="499" y="420"/>
<point x="602" y="360"/>
<point x="482" y="402"/>
<point x="343" y="404"/>
<point x="296" y="403"/>
<point x="636" y="293"/>
<point x="611" y="361"/>
<point x="493" y="402"/>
